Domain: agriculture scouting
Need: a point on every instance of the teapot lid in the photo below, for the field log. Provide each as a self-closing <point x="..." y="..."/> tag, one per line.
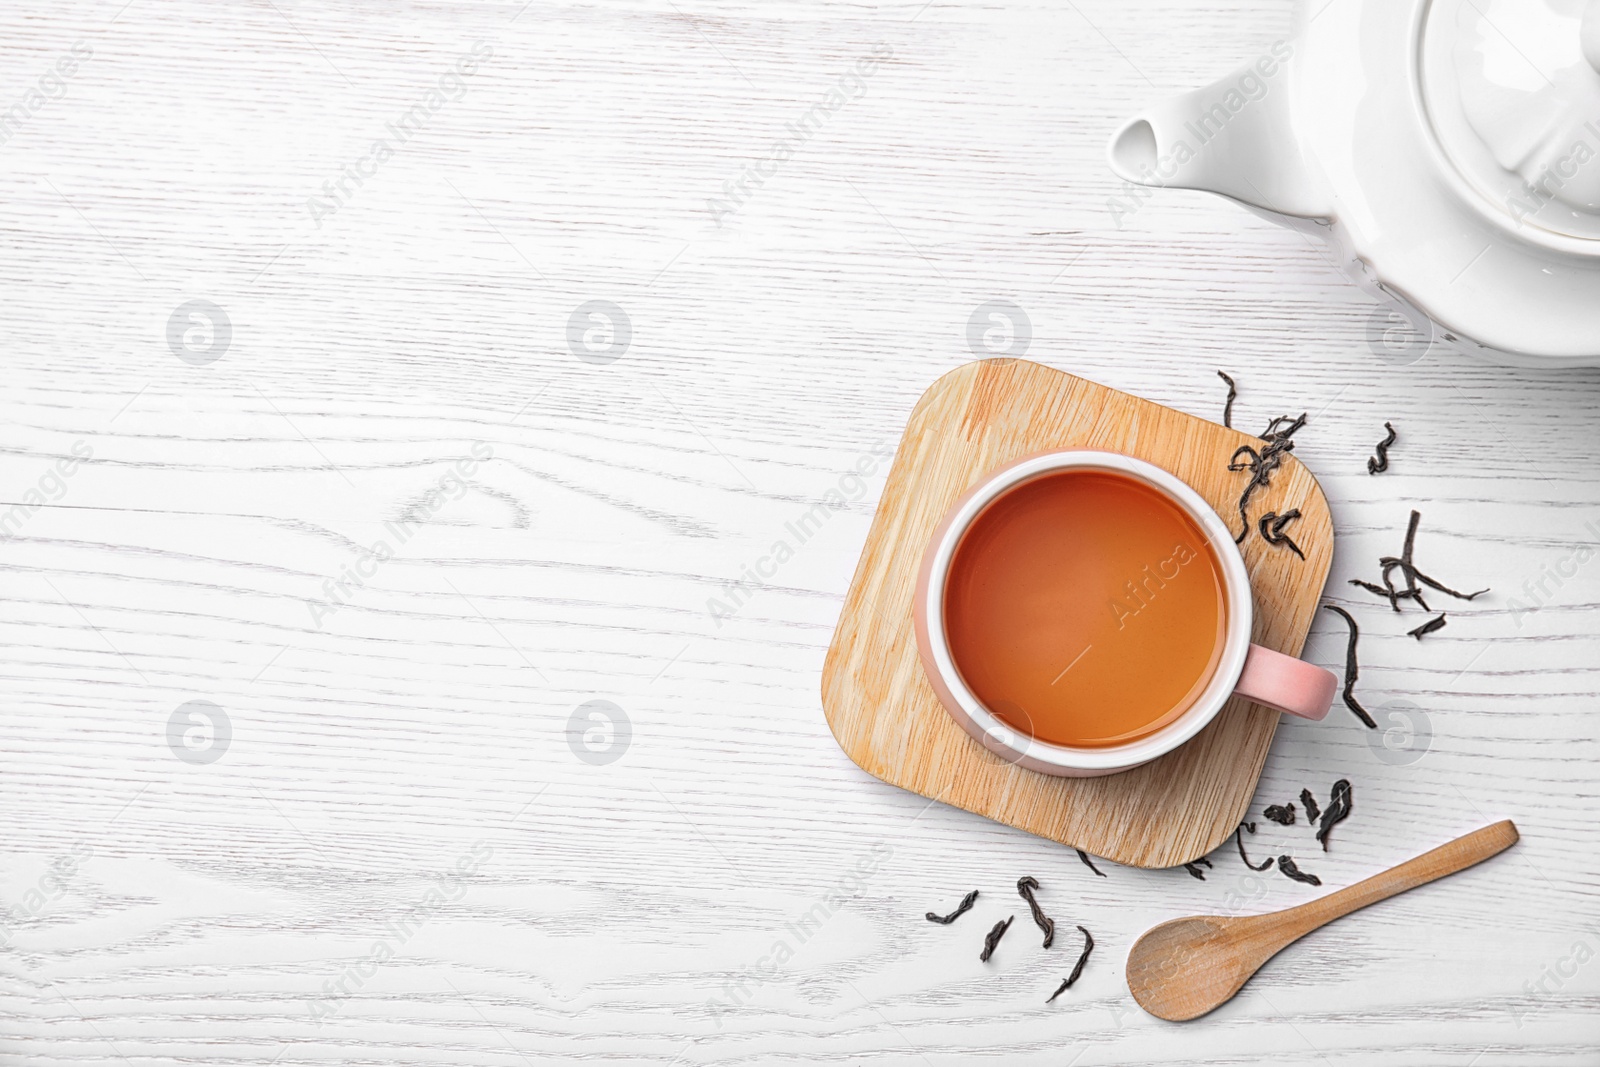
<point x="1512" y="92"/>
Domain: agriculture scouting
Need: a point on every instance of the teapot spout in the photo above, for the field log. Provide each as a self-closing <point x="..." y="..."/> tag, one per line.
<point x="1233" y="138"/>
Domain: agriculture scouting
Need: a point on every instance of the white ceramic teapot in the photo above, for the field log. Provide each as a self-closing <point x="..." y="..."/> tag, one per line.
<point x="1450" y="147"/>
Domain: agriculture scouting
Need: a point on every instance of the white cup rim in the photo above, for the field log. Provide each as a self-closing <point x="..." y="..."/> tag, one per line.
<point x="1031" y="752"/>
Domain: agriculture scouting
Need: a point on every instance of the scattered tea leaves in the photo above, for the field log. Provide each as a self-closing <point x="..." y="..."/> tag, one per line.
<point x="1431" y="626"/>
<point x="1272" y="525"/>
<point x="1087" y="862"/>
<point x="1077" y="968"/>
<point x="961" y="909"/>
<point x="1337" y="811"/>
<point x="1194" y="868"/>
<point x="1233" y="394"/>
<point x="992" y="938"/>
<point x="1027" y="887"/>
<point x="1352" y="669"/>
<point x="1279" y="438"/>
<point x="1380" y="463"/>
<point x="1287" y="866"/>
<point x="1309" y="802"/>
<point x="1238" y="839"/>
<point x="1445" y="589"/>
<point x="1282" y="814"/>
<point x="1413" y="577"/>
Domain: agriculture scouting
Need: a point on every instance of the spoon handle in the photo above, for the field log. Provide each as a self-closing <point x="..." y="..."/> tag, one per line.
<point x="1448" y="858"/>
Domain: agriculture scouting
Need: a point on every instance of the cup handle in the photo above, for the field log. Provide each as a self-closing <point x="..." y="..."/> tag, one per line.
<point x="1288" y="684"/>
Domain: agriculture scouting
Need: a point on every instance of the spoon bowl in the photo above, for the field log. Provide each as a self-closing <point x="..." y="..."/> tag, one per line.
<point x="1185" y="967"/>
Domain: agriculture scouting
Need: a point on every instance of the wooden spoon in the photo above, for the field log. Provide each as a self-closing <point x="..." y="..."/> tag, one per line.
<point x="1184" y="968"/>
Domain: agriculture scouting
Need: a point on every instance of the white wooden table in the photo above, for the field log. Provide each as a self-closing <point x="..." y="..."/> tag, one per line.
<point x="366" y="504"/>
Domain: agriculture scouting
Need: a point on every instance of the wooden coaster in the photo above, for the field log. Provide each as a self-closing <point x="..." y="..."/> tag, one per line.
<point x="880" y="706"/>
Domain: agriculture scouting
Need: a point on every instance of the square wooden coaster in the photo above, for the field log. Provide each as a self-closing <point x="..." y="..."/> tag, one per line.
<point x="886" y="717"/>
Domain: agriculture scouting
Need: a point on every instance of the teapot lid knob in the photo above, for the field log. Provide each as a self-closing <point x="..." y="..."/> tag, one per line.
<point x="1514" y="105"/>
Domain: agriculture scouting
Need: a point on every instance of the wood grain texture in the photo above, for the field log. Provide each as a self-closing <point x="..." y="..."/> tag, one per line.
<point x="877" y="699"/>
<point x="623" y="917"/>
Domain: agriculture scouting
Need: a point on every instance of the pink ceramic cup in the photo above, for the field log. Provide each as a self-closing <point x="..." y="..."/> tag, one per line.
<point x="1247" y="670"/>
